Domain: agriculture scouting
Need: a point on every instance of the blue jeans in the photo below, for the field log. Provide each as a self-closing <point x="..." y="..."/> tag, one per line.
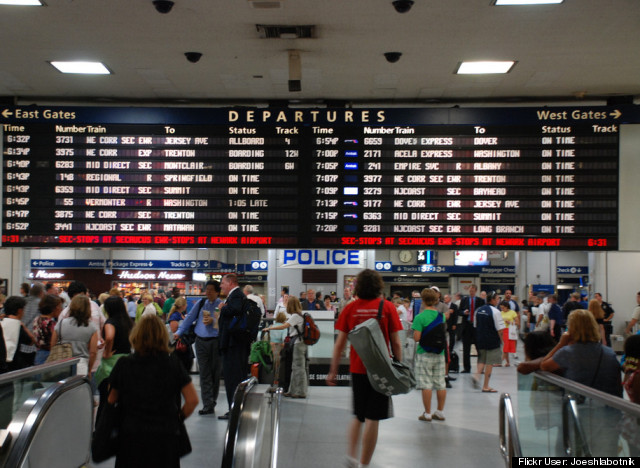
<point x="41" y="357"/>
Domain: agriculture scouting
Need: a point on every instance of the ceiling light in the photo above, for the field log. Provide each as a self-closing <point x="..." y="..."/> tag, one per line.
<point x="527" y="2"/>
<point x="22" y="2"/>
<point x="85" y="68"/>
<point x="479" y="68"/>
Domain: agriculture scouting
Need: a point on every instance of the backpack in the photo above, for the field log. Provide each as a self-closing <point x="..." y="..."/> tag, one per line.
<point x="247" y="322"/>
<point x="434" y="336"/>
<point x="310" y="333"/>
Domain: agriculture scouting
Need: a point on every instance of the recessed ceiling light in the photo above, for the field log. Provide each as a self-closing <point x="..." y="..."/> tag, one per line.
<point x="22" y="2"/>
<point x="480" y="68"/>
<point x="85" y="68"/>
<point x="527" y="2"/>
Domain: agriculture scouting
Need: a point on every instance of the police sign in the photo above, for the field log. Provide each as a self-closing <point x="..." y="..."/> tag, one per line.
<point x="307" y="258"/>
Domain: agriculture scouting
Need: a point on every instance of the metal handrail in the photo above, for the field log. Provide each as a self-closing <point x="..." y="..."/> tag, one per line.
<point x="36" y="370"/>
<point x="231" y="437"/>
<point x="570" y="411"/>
<point x="33" y="413"/>
<point x="276" y="399"/>
<point x="507" y="414"/>
<point x="589" y="392"/>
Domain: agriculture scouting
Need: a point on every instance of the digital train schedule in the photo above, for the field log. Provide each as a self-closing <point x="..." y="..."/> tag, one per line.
<point x="521" y="178"/>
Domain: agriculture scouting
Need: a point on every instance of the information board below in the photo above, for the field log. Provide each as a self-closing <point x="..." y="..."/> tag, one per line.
<point x="522" y="178"/>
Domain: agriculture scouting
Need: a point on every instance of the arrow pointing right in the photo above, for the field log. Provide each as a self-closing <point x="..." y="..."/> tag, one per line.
<point x="616" y="114"/>
<point x="6" y="113"/>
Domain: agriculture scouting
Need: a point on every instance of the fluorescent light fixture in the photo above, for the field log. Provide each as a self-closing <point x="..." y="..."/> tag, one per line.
<point x="85" y="68"/>
<point x="527" y="2"/>
<point x="21" y="2"/>
<point x="480" y="68"/>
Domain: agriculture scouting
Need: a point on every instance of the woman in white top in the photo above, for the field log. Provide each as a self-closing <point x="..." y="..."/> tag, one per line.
<point x="299" y="376"/>
<point x="78" y="330"/>
<point x="281" y="306"/>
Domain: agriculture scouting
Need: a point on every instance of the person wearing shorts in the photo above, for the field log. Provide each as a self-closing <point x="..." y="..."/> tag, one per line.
<point x="369" y="406"/>
<point x="489" y="325"/>
<point x="430" y="365"/>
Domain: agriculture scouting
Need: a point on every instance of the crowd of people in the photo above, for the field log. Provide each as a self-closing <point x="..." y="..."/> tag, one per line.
<point x="127" y="350"/>
<point x="127" y="347"/>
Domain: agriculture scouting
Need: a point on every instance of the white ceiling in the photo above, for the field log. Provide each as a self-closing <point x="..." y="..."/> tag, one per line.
<point x="579" y="48"/>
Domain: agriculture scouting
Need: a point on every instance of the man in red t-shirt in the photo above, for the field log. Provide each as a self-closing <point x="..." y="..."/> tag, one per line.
<point x="369" y="406"/>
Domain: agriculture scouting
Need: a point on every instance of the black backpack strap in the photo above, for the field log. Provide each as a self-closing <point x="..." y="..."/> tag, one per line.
<point x="296" y="327"/>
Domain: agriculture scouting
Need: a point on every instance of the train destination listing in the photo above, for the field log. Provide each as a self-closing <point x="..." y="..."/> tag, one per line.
<point x="211" y="177"/>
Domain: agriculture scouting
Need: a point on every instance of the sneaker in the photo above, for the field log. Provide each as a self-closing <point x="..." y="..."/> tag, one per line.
<point x="438" y="415"/>
<point x="351" y="463"/>
<point x="425" y="417"/>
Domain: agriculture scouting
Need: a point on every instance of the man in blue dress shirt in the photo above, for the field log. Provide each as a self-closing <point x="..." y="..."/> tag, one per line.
<point x="203" y="313"/>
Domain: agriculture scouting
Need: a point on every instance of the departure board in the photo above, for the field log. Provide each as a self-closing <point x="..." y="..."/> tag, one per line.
<point x="526" y="178"/>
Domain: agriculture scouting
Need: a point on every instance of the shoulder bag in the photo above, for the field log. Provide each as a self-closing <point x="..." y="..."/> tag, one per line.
<point x="60" y="350"/>
<point x="387" y="376"/>
<point x="104" y="444"/>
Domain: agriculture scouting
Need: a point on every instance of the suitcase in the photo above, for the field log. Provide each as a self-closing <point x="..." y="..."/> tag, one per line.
<point x="454" y="364"/>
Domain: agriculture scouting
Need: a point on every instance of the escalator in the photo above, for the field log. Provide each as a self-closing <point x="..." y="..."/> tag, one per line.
<point x="48" y="420"/>
<point x="557" y="417"/>
<point x="50" y="414"/>
<point x="252" y="434"/>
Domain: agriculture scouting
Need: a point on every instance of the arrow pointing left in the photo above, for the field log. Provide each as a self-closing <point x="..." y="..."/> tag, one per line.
<point x="6" y="113"/>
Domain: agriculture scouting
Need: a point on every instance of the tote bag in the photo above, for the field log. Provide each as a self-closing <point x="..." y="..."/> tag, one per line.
<point x="387" y="376"/>
<point x="60" y="350"/>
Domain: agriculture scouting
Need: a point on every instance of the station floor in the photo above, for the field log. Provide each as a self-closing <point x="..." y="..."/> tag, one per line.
<point x="313" y="430"/>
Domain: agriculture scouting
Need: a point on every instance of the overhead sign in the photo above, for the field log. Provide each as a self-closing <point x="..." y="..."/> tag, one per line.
<point x="491" y="179"/>
<point x="450" y="269"/>
<point x="572" y="270"/>
<point x="308" y="258"/>
<point x="138" y="264"/>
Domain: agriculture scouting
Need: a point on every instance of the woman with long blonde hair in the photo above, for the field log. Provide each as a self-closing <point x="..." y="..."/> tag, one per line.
<point x="299" y="376"/>
<point x="598" y="313"/>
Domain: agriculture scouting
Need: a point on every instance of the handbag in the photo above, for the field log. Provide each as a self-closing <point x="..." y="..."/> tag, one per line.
<point x="105" y="438"/>
<point x="387" y="376"/>
<point x="513" y="331"/>
<point x="60" y="350"/>
<point x="181" y="346"/>
<point x="184" y="444"/>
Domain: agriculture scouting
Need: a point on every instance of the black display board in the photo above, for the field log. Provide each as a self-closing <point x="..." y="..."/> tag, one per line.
<point x="525" y="178"/>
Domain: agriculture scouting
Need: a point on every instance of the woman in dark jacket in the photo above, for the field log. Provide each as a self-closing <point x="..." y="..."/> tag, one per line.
<point x="148" y="385"/>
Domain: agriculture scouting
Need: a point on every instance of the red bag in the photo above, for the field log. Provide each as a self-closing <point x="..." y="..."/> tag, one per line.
<point x="181" y="346"/>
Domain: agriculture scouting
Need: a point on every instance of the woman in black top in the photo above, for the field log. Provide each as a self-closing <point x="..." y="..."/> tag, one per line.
<point x="117" y="328"/>
<point x="147" y="385"/>
<point x="115" y="332"/>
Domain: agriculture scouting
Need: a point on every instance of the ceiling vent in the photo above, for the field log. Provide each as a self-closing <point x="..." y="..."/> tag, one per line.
<point x="265" y="4"/>
<point x="285" y="32"/>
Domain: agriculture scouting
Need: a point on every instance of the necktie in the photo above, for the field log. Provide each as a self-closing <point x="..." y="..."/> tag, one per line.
<point x="472" y="310"/>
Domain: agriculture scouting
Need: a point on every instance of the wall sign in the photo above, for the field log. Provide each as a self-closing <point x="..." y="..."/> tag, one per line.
<point x="308" y="258"/>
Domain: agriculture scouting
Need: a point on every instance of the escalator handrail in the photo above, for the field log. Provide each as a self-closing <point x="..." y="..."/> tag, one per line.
<point x="231" y="437"/>
<point x="508" y="415"/>
<point x="570" y="412"/>
<point x="589" y="392"/>
<point x="275" y="428"/>
<point x="35" y="370"/>
<point x="29" y="417"/>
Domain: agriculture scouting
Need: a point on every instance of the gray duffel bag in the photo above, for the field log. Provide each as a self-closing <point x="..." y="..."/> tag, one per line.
<point x="387" y="376"/>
